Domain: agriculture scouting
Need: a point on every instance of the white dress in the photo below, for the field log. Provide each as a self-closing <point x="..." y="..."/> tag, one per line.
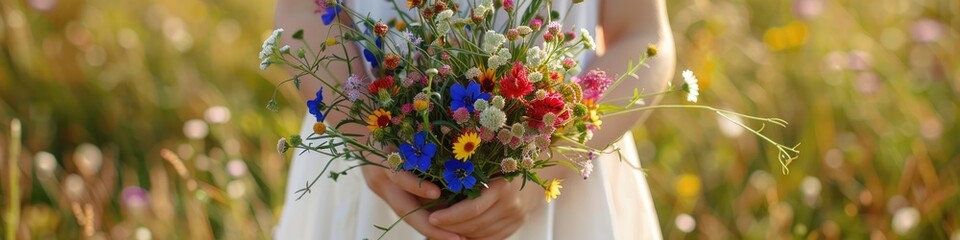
<point x="614" y="203"/>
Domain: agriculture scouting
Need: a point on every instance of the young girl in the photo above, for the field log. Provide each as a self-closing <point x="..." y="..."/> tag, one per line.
<point x="614" y="203"/>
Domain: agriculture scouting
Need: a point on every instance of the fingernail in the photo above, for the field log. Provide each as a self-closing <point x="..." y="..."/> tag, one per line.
<point x="433" y="220"/>
<point x="432" y="193"/>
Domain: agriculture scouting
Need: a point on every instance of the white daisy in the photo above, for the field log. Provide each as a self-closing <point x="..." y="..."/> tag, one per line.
<point x="692" y="87"/>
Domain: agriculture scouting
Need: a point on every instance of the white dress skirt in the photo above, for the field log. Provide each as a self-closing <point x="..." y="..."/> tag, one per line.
<point x="614" y="203"/>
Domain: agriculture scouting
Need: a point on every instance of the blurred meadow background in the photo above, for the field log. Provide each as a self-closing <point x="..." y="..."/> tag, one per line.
<point x="147" y="119"/>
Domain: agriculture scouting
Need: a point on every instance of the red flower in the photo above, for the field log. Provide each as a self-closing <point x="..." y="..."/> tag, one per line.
<point x="384" y="83"/>
<point x="515" y="84"/>
<point x="380" y="29"/>
<point x="392" y="61"/>
<point x="553" y="103"/>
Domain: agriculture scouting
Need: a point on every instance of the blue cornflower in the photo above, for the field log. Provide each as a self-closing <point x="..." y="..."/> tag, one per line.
<point x="457" y="175"/>
<point x="316" y="106"/>
<point x="370" y="57"/>
<point x="418" y="154"/>
<point x="332" y="12"/>
<point x="465" y="96"/>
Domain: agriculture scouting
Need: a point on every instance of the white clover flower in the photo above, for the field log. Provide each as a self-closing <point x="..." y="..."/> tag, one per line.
<point x="480" y="105"/>
<point x="505" y="54"/>
<point x="498" y="101"/>
<point x="492" y="41"/>
<point x="534" y="77"/>
<point x="443" y="21"/>
<point x="473" y="73"/>
<point x="495" y="61"/>
<point x="535" y="57"/>
<point x="481" y="10"/>
<point x="524" y="30"/>
<point x="692" y="87"/>
<point x="588" y="41"/>
<point x="493" y="118"/>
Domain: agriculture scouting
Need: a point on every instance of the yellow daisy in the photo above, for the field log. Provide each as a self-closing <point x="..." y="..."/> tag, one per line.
<point x="552" y="189"/>
<point x="379" y="119"/>
<point x="466" y="145"/>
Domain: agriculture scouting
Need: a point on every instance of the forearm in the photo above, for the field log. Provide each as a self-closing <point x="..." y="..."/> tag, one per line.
<point x="624" y="45"/>
<point x="293" y="15"/>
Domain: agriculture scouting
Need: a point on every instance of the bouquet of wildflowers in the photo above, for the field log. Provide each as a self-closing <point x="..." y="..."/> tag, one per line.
<point x="458" y="99"/>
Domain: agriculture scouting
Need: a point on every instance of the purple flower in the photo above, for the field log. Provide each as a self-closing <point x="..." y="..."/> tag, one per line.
<point x="458" y="176"/>
<point x="134" y="197"/>
<point x="355" y="87"/>
<point x="418" y="154"/>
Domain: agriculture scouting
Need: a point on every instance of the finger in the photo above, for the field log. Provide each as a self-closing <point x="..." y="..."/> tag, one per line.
<point x="414" y="185"/>
<point x="481" y="224"/>
<point x="468" y="209"/>
<point x="501" y="231"/>
<point x="403" y="203"/>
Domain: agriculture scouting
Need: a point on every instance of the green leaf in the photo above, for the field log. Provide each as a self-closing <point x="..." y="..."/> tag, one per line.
<point x="298" y="35"/>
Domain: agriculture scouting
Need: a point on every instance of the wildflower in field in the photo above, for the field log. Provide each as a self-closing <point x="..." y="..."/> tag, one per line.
<point x="472" y="73"/>
<point x="461" y="115"/>
<point x="417" y="155"/>
<point x="269" y="48"/>
<point x="378" y="120"/>
<point x="458" y="176"/>
<point x="421" y="102"/>
<point x="466" y="145"/>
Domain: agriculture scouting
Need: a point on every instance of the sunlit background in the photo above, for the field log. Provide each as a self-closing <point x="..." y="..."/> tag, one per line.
<point x="147" y="119"/>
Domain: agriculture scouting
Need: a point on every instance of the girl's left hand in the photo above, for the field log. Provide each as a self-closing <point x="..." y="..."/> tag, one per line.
<point x="499" y="211"/>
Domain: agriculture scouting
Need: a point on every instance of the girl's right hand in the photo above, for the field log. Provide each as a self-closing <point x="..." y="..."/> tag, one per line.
<point x="401" y="191"/>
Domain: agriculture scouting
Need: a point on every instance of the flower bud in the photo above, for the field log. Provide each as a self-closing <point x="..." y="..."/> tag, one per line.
<point x="282" y="145"/>
<point x="480" y="105"/>
<point x="513" y="34"/>
<point x="319" y="128"/>
<point x="651" y="50"/>
<point x="380" y="29"/>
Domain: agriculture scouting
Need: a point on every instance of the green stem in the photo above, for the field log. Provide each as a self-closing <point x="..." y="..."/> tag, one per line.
<point x="13" y="212"/>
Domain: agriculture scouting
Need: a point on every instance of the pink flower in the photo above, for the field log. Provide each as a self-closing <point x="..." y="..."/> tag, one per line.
<point x="445" y="70"/>
<point x="504" y="136"/>
<point x="486" y="134"/>
<point x="569" y="63"/>
<point x="461" y="115"/>
<point x="553" y="28"/>
<point x="508" y="5"/>
<point x="594" y="84"/>
<point x="415" y="76"/>
<point x="536" y="24"/>
<point x="406" y="108"/>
